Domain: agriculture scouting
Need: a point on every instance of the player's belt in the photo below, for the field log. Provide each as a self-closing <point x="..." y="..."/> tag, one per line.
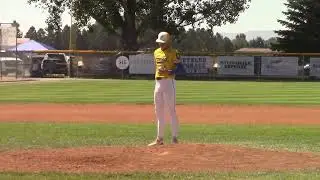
<point x="159" y="78"/>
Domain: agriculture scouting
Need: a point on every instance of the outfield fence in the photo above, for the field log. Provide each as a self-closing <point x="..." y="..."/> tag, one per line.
<point x="210" y="66"/>
<point x="13" y="66"/>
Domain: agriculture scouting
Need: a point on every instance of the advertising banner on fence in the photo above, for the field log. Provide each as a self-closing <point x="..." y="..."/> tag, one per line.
<point x="315" y="67"/>
<point x="141" y="64"/>
<point x="197" y="64"/>
<point x="279" y="66"/>
<point x="144" y="64"/>
<point x="236" y="65"/>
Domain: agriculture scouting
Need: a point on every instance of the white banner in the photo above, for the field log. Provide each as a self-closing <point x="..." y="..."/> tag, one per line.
<point x="315" y="67"/>
<point x="235" y="65"/>
<point x="279" y="66"/>
<point x="7" y="37"/>
<point x="144" y="64"/>
<point x="141" y="64"/>
<point x="197" y="64"/>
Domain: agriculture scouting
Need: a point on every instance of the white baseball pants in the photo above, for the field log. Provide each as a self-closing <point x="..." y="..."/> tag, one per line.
<point x="165" y="97"/>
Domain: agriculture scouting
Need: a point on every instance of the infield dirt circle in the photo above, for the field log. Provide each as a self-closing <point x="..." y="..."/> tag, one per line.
<point x="182" y="157"/>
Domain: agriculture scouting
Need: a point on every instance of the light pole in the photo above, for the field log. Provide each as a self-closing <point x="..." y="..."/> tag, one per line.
<point x="71" y="19"/>
<point x="70" y="34"/>
<point x="70" y="40"/>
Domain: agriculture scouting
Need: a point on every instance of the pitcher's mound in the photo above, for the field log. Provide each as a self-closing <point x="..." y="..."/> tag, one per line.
<point x="178" y="158"/>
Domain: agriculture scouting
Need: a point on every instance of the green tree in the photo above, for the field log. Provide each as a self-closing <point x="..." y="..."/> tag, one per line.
<point x="302" y="27"/>
<point x="82" y="41"/>
<point x="228" y="46"/>
<point x="65" y="37"/>
<point x="189" y="41"/>
<point x="257" y="43"/>
<point x="99" y="39"/>
<point x="41" y="35"/>
<point x="79" y="40"/>
<point x="147" y="39"/>
<point x="32" y="33"/>
<point x="196" y="40"/>
<point x="240" y="41"/>
<point x="129" y="19"/>
<point x="202" y="40"/>
<point x="51" y="37"/>
<point x="270" y="41"/>
<point x="19" y="33"/>
<point x="219" y="43"/>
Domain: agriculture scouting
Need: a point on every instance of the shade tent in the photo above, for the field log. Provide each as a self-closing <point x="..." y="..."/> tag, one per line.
<point x="31" y="45"/>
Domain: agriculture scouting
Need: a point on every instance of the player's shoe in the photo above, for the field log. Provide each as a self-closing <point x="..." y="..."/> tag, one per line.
<point x="158" y="141"/>
<point x="174" y="140"/>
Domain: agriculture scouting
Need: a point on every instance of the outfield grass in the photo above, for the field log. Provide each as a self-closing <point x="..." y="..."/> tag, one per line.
<point x="30" y="135"/>
<point x="141" y="91"/>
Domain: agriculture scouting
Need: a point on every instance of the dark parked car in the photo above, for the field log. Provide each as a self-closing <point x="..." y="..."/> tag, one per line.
<point x="35" y="69"/>
<point x="54" y="63"/>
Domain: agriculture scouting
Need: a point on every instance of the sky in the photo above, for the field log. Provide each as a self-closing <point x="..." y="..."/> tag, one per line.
<point x="262" y="15"/>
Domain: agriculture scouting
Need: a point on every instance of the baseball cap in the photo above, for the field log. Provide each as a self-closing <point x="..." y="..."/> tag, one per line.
<point x="163" y="37"/>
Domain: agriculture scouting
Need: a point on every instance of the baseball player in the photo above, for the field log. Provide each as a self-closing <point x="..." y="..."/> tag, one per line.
<point x="166" y="61"/>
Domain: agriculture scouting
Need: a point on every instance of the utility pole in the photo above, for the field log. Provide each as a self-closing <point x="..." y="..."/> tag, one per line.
<point x="70" y="36"/>
<point x="70" y="41"/>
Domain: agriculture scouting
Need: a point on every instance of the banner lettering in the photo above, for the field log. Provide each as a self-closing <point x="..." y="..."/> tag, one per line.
<point x="144" y="64"/>
<point x="315" y="67"/>
<point x="141" y="64"/>
<point x="197" y="64"/>
<point x="235" y="65"/>
<point x="279" y="66"/>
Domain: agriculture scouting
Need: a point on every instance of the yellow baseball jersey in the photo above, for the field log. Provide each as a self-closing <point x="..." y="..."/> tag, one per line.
<point x="165" y="60"/>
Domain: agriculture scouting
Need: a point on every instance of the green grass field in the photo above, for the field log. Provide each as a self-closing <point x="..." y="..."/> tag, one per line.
<point x="38" y="135"/>
<point x="34" y="135"/>
<point x="140" y="91"/>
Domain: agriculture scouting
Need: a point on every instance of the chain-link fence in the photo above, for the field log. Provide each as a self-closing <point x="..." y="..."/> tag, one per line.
<point x="196" y="66"/>
<point x="208" y="66"/>
<point x="13" y="66"/>
<point x="79" y="65"/>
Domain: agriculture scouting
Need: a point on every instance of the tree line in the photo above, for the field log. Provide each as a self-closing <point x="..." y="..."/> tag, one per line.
<point x="301" y="29"/>
<point x="97" y="38"/>
<point x="132" y="21"/>
<point x="131" y="24"/>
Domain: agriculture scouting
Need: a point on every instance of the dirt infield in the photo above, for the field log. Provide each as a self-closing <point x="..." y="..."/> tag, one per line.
<point x="179" y="158"/>
<point x="183" y="157"/>
<point x="210" y="114"/>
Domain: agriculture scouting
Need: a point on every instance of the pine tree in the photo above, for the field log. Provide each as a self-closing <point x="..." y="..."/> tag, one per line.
<point x="302" y="27"/>
<point x="32" y="33"/>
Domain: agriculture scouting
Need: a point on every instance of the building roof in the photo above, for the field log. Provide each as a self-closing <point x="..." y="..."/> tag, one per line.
<point x="22" y="40"/>
<point x="31" y="45"/>
<point x="254" y="50"/>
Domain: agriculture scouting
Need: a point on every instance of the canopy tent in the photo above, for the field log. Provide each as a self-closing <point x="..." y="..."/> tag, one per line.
<point x="31" y="45"/>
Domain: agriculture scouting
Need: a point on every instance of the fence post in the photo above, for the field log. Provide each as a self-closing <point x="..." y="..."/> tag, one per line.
<point x="1" y="69"/>
<point x="303" y="72"/>
<point x="16" y="52"/>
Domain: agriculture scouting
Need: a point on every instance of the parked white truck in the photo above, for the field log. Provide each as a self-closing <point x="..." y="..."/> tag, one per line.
<point x="10" y="65"/>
